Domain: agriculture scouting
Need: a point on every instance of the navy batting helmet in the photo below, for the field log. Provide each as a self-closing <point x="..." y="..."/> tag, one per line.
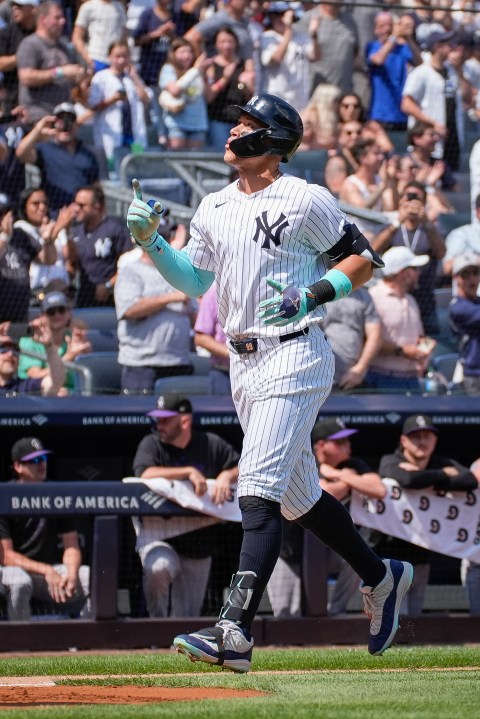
<point x="282" y="132"/>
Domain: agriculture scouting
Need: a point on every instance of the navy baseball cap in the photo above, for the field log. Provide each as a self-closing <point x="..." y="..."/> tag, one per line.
<point x="437" y="37"/>
<point x="331" y="428"/>
<point x="170" y="405"/>
<point x="53" y="299"/>
<point x="417" y="423"/>
<point x="28" y="448"/>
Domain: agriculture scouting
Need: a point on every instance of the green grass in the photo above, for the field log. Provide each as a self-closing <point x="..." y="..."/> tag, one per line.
<point x="431" y="684"/>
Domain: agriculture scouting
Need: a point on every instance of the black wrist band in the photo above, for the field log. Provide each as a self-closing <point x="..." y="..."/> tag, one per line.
<point x="323" y="291"/>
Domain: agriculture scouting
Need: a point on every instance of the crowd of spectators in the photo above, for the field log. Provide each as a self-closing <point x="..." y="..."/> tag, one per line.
<point x="391" y="97"/>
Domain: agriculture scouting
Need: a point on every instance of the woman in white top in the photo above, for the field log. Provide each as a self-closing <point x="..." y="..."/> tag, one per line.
<point x="373" y="186"/>
<point x="118" y="98"/>
<point x="182" y="97"/>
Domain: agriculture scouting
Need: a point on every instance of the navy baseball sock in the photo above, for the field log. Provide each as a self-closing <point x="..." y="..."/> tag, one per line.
<point x="332" y="524"/>
<point x="262" y="540"/>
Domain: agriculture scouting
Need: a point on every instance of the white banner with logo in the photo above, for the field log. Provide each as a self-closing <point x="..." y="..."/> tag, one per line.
<point x="182" y="493"/>
<point x="151" y="529"/>
<point x="445" y="522"/>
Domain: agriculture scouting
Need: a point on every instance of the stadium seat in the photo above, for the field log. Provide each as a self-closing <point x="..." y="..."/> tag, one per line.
<point x="451" y="221"/>
<point x="443" y="295"/>
<point x="103" y="340"/>
<point x="171" y="189"/>
<point x="97" y="318"/>
<point x="445" y="366"/>
<point x="184" y="384"/>
<point x="309" y="165"/>
<point x="399" y="141"/>
<point x="201" y="364"/>
<point x="99" y="373"/>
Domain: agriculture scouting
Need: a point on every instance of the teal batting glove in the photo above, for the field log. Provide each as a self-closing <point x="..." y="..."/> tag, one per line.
<point x="292" y="304"/>
<point x="143" y="218"/>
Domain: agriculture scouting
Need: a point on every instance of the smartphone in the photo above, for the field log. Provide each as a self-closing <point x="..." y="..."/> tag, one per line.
<point x="426" y="344"/>
<point x="8" y="119"/>
<point x="20" y="329"/>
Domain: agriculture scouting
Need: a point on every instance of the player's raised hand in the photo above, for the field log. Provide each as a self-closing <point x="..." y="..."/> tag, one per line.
<point x="143" y="218"/>
<point x="290" y="305"/>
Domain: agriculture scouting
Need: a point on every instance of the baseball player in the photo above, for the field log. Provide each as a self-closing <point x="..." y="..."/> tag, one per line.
<point x="268" y="239"/>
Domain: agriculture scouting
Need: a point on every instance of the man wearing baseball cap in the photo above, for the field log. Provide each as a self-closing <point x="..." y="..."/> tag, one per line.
<point x="402" y="358"/>
<point x="65" y="163"/>
<point x="339" y="474"/>
<point x="430" y="95"/>
<point x="176" y="572"/>
<point x="463" y="240"/>
<point x="464" y="311"/>
<point x="28" y="546"/>
<point x="10" y="382"/>
<point x="414" y="465"/>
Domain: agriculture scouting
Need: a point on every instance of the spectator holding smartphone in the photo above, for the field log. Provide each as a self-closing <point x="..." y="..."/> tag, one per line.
<point x="412" y="229"/>
<point x="119" y="98"/>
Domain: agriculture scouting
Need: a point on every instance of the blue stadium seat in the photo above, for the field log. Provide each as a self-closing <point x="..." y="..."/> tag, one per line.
<point x="97" y="318"/>
<point x="103" y="340"/>
<point x="308" y="164"/>
<point x="445" y="365"/>
<point x="201" y="364"/>
<point x="102" y="373"/>
<point x="443" y="295"/>
<point x="184" y="384"/>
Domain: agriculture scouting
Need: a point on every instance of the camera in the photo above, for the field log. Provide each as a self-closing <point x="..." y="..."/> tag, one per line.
<point x="412" y="196"/>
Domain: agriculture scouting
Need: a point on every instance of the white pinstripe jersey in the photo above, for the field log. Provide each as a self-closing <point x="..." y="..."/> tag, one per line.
<point x="280" y="232"/>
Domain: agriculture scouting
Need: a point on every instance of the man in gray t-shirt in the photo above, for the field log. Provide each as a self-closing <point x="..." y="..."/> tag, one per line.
<point x="353" y="329"/>
<point x="338" y="40"/>
<point x="46" y="66"/>
<point x="154" y="326"/>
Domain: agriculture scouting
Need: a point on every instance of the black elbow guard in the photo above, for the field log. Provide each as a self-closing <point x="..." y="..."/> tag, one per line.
<point x="353" y="242"/>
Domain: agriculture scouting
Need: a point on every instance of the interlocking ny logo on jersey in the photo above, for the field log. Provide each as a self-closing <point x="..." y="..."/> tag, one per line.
<point x="103" y="247"/>
<point x="272" y="232"/>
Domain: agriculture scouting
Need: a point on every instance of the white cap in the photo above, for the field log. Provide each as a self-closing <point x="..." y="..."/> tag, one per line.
<point x="460" y="263"/>
<point x="397" y="259"/>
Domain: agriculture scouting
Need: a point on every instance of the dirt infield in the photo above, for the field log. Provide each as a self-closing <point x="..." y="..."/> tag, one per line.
<point x="32" y="692"/>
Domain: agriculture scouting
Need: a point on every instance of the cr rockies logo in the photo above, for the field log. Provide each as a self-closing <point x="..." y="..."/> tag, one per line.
<point x="271" y="232"/>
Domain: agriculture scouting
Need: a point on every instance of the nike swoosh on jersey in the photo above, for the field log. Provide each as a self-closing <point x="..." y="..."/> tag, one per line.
<point x="219" y="204"/>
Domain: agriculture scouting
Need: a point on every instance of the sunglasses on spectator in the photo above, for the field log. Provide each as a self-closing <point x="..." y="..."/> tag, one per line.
<point x="36" y="460"/>
<point x="471" y="272"/>
<point x="56" y="310"/>
<point x="4" y="349"/>
<point x="353" y="105"/>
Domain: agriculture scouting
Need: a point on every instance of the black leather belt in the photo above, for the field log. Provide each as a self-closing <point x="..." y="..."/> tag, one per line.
<point x="248" y="346"/>
<point x="292" y="335"/>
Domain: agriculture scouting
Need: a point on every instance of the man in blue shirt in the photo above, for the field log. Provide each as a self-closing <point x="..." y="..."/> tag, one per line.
<point x="465" y="317"/>
<point x="64" y="162"/>
<point x="388" y="58"/>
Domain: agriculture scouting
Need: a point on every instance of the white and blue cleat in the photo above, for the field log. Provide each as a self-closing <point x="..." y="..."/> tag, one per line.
<point x="225" y="645"/>
<point x="382" y="604"/>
